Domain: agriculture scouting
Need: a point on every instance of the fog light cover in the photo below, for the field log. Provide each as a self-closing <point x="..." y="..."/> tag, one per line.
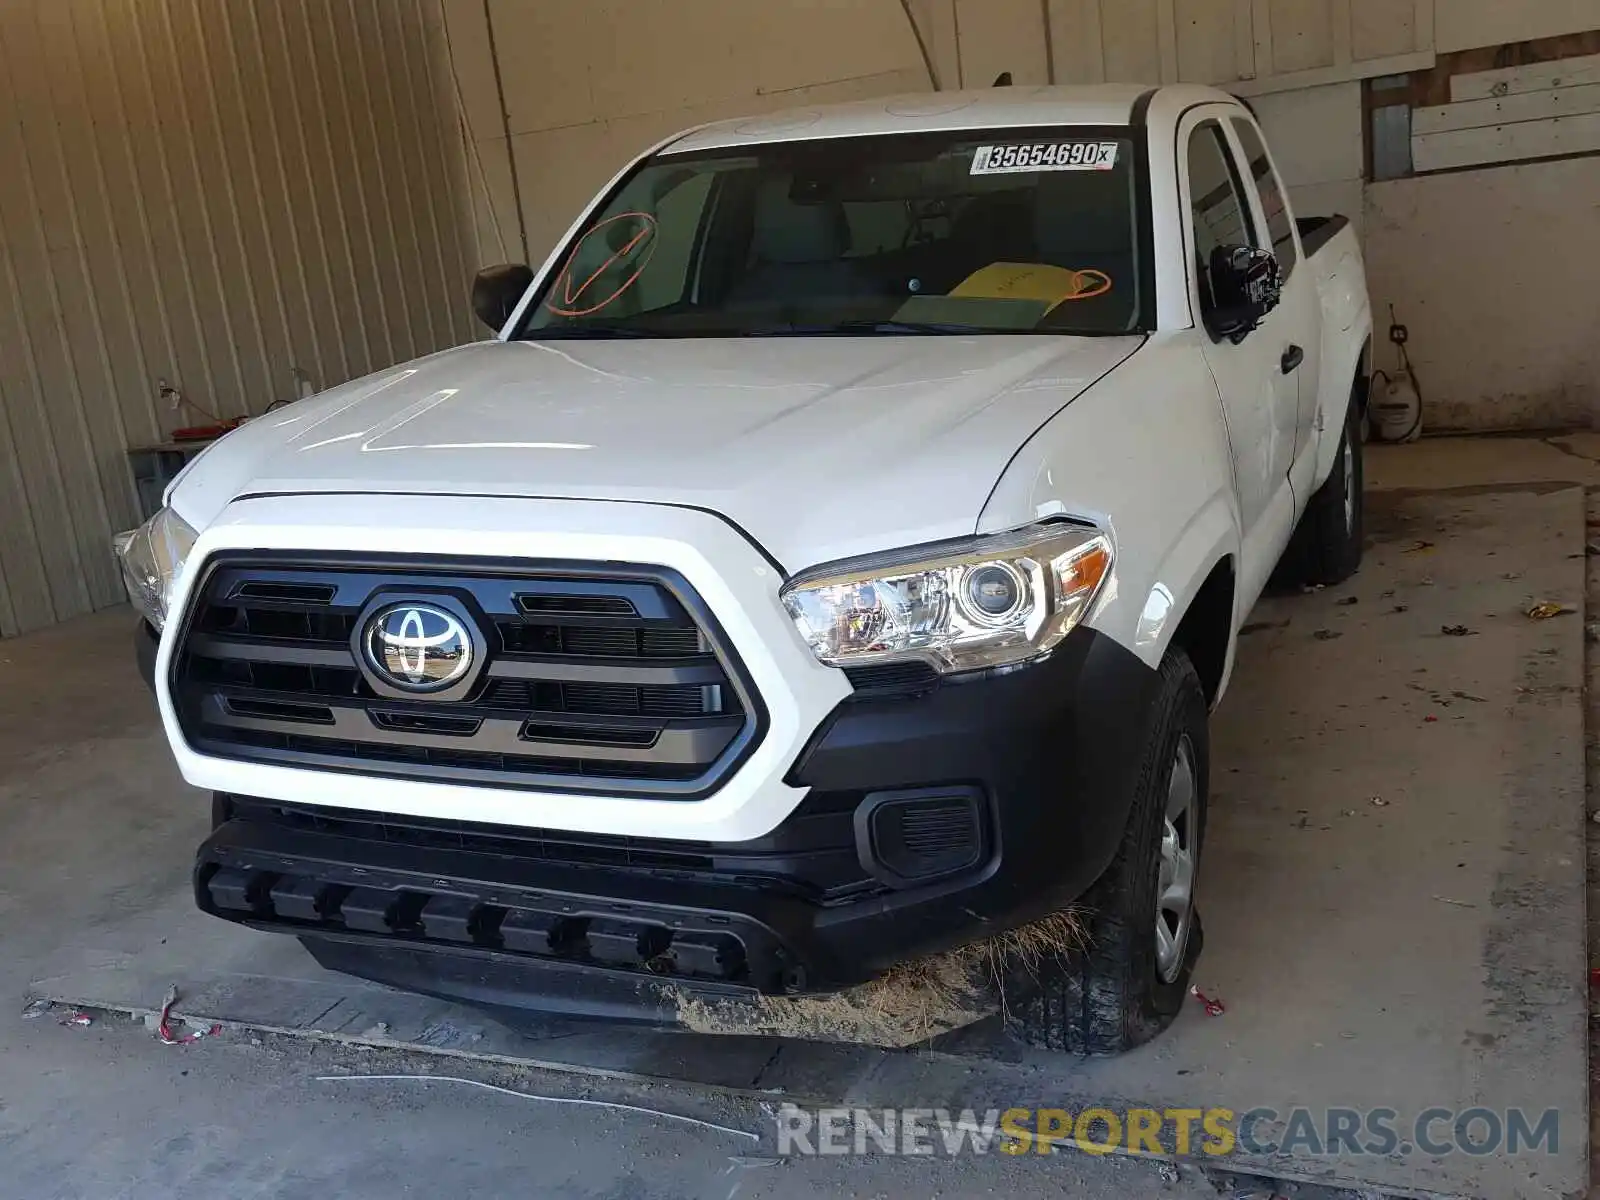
<point x="912" y="837"/>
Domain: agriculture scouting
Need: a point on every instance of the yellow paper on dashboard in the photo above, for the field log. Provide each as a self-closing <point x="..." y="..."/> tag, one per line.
<point x="1032" y="281"/>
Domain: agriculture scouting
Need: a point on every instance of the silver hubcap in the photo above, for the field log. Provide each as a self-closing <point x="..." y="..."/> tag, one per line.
<point x="1349" y="485"/>
<point x="1175" y="887"/>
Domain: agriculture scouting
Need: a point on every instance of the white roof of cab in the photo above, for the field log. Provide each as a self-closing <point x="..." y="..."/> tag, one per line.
<point x="989" y="108"/>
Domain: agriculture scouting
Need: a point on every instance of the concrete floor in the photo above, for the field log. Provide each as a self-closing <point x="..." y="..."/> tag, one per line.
<point x="1361" y="964"/>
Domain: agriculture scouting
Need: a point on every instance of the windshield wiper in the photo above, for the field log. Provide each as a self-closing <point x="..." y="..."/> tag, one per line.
<point x="874" y="327"/>
<point x="598" y="332"/>
<point x="589" y="331"/>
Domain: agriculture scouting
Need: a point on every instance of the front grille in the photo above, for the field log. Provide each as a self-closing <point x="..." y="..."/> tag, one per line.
<point x="610" y="678"/>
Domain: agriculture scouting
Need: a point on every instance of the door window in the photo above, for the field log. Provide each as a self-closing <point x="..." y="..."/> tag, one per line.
<point x="1273" y="206"/>
<point x="1216" y="202"/>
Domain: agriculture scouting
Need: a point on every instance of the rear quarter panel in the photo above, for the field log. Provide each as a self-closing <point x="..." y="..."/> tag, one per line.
<point x="1144" y="454"/>
<point x="1341" y="276"/>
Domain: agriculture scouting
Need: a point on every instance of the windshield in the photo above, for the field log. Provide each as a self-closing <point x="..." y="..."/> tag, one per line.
<point x="970" y="232"/>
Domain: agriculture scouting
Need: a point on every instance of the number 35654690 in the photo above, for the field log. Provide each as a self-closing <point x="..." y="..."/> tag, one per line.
<point x="1045" y="156"/>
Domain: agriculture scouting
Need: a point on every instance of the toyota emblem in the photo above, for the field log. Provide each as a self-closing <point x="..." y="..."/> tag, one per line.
<point x="417" y="647"/>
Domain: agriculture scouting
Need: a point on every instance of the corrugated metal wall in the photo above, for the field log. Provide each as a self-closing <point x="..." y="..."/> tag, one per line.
<point x="221" y="194"/>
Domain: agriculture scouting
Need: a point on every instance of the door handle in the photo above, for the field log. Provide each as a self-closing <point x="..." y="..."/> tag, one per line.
<point x="1292" y="358"/>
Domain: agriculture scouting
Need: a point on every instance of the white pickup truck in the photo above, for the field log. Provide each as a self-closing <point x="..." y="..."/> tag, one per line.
<point x="831" y="561"/>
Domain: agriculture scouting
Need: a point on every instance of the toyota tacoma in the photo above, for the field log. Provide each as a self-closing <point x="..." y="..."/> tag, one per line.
<point x="831" y="561"/>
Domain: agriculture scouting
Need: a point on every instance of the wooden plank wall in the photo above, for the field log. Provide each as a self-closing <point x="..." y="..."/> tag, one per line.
<point x="1510" y="114"/>
<point x="1497" y="104"/>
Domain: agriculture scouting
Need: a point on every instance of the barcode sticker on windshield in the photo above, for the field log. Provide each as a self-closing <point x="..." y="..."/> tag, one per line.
<point x="1045" y="156"/>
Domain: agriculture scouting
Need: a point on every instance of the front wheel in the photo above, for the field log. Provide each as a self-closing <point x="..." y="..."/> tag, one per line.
<point x="1128" y="980"/>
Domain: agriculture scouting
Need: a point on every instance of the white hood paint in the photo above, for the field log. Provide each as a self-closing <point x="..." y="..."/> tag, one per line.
<point x="817" y="447"/>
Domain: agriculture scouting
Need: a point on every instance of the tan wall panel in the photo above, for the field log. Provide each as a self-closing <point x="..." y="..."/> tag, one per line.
<point x="1075" y="41"/>
<point x="1209" y="41"/>
<point x="1129" y="33"/>
<point x="545" y="52"/>
<point x="466" y="39"/>
<point x="832" y="41"/>
<point x="586" y="157"/>
<point x="1464" y="24"/>
<point x="1302" y="35"/>
<point x="589" y="86"/>
<point x="1315" y="133"/>
<point x="214" y="195"/>
<point x="498" y="227"/>
<point x="1002" y="35"/>
<point x="936" y="19"/>
<point x="1520" y="354"/>
<point x="1379" y="28"/>
<point x="657" y="57"/>
<point x="898" y="80"/>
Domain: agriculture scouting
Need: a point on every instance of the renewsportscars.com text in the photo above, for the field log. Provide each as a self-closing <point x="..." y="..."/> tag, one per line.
<point x="1213" y="1132"/>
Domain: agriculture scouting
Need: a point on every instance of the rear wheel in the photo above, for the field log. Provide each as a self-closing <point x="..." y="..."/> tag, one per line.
<point x="1327" y="546"/>
<point x="1129" y="979"/>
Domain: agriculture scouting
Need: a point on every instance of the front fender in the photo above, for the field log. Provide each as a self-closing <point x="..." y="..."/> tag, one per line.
<point x="1189" y="561"/>
<point x="1144" y="454"/>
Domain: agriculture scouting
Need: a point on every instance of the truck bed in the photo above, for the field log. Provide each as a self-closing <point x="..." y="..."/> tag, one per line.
<point x="1317" y="232"/>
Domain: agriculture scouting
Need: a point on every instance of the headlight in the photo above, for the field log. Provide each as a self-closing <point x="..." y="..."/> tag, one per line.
<point x="978" y="602"/>
<point x="152" y="558"/>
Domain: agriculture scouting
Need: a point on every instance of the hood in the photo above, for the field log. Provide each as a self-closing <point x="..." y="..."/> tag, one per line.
<point x="817" y="448"/>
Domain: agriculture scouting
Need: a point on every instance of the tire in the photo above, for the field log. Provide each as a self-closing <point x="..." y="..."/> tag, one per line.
<point x="1326" y="548"/>
<point x="1116" y="991"/>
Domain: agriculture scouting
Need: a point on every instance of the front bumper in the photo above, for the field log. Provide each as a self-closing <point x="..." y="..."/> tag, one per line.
<point x="577" y="923"/>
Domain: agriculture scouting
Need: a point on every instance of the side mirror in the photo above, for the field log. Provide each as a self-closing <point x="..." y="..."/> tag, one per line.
<point x="1246" y="285"/>
<point x="496" y="292"/>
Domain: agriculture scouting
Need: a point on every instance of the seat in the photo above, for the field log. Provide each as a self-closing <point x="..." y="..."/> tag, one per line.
<point x="798" y="251"/>
<point x="994" y="228"/>
<point x="1084" y="220"/>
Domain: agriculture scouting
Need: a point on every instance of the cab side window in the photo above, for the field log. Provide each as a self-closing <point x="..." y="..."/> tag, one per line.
<point x="1216" y="202"/>
<point x="1279" y="223"/>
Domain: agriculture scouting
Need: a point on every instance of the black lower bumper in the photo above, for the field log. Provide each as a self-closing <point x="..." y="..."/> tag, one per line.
<point x="1043" y="756"/>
